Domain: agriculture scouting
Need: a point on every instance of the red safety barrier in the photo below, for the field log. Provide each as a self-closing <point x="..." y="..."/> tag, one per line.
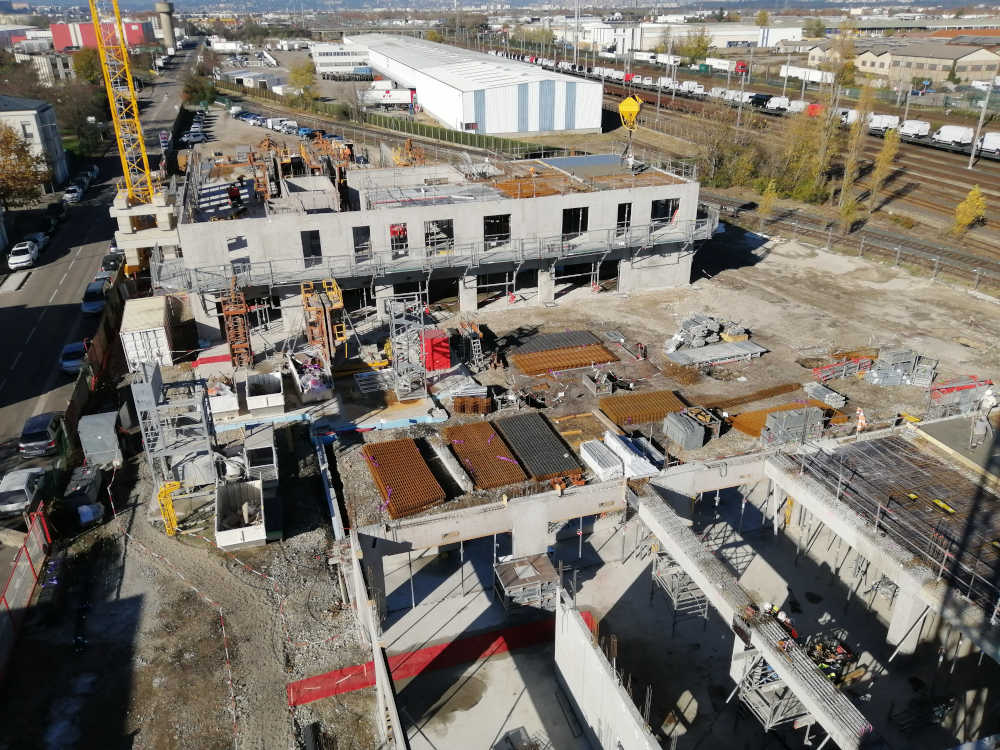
<point x="403" y="666"/>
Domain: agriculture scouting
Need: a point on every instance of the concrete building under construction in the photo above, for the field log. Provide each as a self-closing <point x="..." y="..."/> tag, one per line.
<point x="520" y="227"/>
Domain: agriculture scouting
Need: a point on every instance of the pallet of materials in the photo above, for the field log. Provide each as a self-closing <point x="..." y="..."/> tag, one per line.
<point x="484" y="455"/>
<point x="542" y="342"/>
<point x="472" y="405"/>
<point x="556" y="360"/>
<point x="640" y="408"/>
<point x="541" y="452"/>
<point x="717" y="354"/>
<point x="600" y="459"/>
<point x="402" y="477"/>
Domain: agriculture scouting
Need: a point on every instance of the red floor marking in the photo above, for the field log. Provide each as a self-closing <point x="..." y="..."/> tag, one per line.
<point x="413" y="663"/>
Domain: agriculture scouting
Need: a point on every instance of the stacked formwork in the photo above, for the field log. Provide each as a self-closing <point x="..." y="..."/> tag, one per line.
<point x="792" y="426"/>
<point x="827" y="395"/>
<point x="962" y="395"/>
<point x="601" y="460"/>
<point x="529" y="581"/>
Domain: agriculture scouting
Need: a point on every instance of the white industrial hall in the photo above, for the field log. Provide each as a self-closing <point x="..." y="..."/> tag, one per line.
<point x="479" y="93"/>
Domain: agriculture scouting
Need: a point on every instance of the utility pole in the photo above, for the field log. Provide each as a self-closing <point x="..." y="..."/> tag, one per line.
<point x="576" y="35"/>
<point x="788" y="62"/>
<point x="979" y="127"/>
<point x="743" y="85"/>
<point x="906" y="110"/>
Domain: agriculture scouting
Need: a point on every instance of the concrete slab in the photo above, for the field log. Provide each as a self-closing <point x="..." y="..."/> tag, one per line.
<point x="952" y="436"/>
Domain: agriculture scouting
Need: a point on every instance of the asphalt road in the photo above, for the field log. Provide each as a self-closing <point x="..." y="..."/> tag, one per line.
<point x="44" y="314"/>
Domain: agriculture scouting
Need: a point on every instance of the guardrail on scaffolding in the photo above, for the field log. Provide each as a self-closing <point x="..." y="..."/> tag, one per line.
<point x="171" y="274"/>
<point x="28" y="566"/>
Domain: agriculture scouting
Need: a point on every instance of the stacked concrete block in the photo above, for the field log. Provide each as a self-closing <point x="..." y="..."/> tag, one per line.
<point x="601" y="460"/>
<point x="636" y="467"/>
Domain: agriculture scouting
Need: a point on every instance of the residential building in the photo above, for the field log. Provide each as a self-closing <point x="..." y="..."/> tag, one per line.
<point x="50" y="67"/>
<point x="35" y="121"/>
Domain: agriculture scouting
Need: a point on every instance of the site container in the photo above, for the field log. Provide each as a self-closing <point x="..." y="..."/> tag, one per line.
<point x="145" y="332"/>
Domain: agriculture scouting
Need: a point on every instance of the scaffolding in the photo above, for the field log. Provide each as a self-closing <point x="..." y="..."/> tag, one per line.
<point x="686" y="599"/>
<point x="406" y="328"/>
<point x="234" y="314"/>
<point x="325" y="319"/>
<point x="768" y="697"/>
<point x="529" y="581"/>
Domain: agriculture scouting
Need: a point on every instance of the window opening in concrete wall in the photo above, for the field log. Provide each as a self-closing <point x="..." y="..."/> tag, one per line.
<point x="496" y="230"/>
<point x="362" y="244"/>
<point x="624" y="218"/>
<point x="399" y="240"/>
<point x="439" y="235"/>
<point x="663" y="212"/>
<point x="574" y="222"/>
<point x="312" y="251"/>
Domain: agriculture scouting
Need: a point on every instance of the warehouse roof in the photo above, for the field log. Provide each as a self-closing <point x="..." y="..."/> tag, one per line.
<point x="938" y="51"/>
<point x="461" y="69"/>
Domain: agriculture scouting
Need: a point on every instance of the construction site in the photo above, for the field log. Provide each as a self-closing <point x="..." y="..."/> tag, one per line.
<point x="521" y="454"/>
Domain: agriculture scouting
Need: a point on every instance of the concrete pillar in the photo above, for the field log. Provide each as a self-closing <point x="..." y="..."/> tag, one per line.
<point x="902" y="631"/>
<point x="772" y="503"/>
<point x="530" y="530"/>
<point x="654" y="271"/>
<point x="166" y="13"/>
<point x="374" y="570"/>
<point x="468" y="293"/>
<point x="383" y="292"/>
<point x="546" y="285"/>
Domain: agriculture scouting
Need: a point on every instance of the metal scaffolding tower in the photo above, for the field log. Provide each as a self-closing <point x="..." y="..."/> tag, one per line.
<point x="174" y="418"/>
<point x="768" y="697"/>
<point x="325" y="318"/>
<point x="686" y="598"/>
<point x="234" y="314"/>
<point x="406" y="328"/>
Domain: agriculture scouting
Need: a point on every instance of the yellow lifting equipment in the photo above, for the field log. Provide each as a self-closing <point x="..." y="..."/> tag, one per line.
<point x="628" y="110"/>
<point x="165" y="499"/>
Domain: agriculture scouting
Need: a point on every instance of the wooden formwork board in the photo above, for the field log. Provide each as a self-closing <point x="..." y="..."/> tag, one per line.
<point x="752" y="422"/>
<point x="484" y="454"/>
<point x="749" y="398"/>
<point x="402" y="476"/>
<point x="640" y="408"/>
<point x="555" y="360"/>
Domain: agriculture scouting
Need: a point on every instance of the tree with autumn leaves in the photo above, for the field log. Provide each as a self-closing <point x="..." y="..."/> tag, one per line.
<point x="22" y="174"/>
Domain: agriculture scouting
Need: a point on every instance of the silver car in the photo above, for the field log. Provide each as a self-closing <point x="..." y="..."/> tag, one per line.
<point x="18" y="491"/>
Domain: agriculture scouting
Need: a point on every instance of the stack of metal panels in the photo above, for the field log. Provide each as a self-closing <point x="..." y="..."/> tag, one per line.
<point x="827" y="395"/>
<point x="543" y="342"/>
<point x="540" y="450"/>
<point x="901" y="366"/>
<point x="650" y="451"/>
<point x="793" y="426"/>
<point x="635" y="465"/>
<point x="924" y="372"/>
<point x="601" y="460"/>
<point x="684" y="431"/>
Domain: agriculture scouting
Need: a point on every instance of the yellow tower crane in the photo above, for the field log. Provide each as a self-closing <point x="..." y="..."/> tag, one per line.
<point x="121" y="95"/>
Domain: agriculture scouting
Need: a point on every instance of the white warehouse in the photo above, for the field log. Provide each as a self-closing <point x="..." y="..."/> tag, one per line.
<point x="481" y="93"/>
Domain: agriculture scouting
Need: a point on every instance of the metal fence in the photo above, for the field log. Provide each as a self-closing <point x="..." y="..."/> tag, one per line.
<point x="25" y="571"/>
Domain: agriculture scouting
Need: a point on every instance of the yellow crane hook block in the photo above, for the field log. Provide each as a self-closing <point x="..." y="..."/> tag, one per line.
<point x="628" y="109"/>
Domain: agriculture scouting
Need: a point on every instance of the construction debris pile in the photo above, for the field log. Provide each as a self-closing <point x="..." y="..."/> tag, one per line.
<point x="698" y="330"/>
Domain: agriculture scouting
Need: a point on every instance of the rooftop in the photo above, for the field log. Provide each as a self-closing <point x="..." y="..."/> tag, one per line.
<point x="461" y="69"/>
<point x="20" y="104"/>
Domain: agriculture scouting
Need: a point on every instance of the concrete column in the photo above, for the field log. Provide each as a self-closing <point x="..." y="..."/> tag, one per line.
<point x="546" y="285"/>
<point x="902" y="630"/>
<point x="374" y="569"/>
<point x="772" y="503"/>
<point x="530" y="532"/>
<point x="468" y="293"/>
<point x="383" y="292"/>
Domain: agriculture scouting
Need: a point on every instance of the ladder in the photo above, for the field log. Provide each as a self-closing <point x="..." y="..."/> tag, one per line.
<point x="165" y="498"/>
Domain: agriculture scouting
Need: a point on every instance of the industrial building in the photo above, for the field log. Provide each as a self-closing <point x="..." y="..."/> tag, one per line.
<point x="339" y="61"/>
<point x="648" y="36"/>
<point x="479" y="93"/>
<point x="373" y="228"/>
<point x="81" y="34"/>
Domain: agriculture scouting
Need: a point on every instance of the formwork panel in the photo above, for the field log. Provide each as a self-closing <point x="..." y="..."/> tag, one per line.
<point x="554" y="360"/>
<point x="484" y="454"/>
<point x="640" y="408"/>
<point x="541" y="452"/>
<point x="542" y="342"/>
<point x="402" y="476"/>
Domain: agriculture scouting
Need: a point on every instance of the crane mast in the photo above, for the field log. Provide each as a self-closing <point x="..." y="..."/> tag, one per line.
<point x="124" y="107"/>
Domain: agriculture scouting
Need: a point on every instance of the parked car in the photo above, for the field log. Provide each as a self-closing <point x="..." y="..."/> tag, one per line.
<point x="39" y="435"/>
<point x="72" y="194"/>
<point x="19" y="491"/>
<point x="40" y="239"/>
<point x="189" y="139"/>
<point x="22" y="255"/>
<point x="94" y="297"/>
<point x="72" y="357"/>
<point x="111" y="262"/>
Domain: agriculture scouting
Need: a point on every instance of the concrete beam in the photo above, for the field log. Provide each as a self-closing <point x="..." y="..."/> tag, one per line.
<point x="497" y="518"/>
<point x="913" y="578"/>
<point x="694" y="478"/>
<point x="831" y="708"/>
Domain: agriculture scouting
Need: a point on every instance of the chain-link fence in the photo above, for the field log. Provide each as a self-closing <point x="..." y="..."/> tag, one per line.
<point x="25" y="571"/>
